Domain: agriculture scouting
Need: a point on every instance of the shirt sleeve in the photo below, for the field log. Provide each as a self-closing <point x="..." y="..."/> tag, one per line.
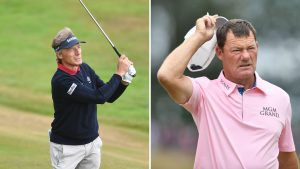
<point x="286" y="141"/>
<point x="118" y="92"/>
<point x="74" y="90"/>
<point x="192" y="104"/>
<point x="195" y="103"/>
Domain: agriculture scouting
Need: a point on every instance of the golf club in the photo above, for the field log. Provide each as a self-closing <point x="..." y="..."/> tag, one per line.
<point x="131" y="69"/>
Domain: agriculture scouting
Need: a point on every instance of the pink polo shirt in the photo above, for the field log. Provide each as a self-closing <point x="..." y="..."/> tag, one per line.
<point x="240" y="131"/>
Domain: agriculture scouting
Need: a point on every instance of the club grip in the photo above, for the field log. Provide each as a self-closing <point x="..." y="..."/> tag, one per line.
<point x="131" y="69"/>
<point x="116" y="50"/>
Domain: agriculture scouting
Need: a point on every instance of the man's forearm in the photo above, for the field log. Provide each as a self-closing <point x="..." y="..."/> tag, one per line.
<point x="170" y="75"/>
<point x="288" y="160"/>
<point x="175" y="64"/>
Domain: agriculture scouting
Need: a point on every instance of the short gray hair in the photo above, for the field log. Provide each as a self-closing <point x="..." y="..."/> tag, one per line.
<point x="61" y="36"/>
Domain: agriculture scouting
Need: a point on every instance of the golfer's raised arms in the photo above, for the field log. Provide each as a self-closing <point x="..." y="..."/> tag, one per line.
<point x="170" y="74"/>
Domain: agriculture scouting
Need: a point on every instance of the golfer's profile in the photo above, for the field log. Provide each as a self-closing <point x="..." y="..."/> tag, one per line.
<point x="243" y="121"/>
<point x="76" y="91"/>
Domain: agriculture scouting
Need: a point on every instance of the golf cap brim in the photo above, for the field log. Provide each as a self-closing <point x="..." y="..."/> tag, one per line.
<point x="68" y="43"/>
<point x="205" y="54"/>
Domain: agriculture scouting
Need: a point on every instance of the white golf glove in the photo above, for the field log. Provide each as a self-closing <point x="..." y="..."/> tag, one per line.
<point x="129" y="75"/>
<point x="131" y="71"/>
<point x="127" y="78"/>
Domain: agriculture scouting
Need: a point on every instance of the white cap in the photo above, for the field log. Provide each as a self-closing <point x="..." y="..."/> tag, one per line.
<point x="205" y="54"/>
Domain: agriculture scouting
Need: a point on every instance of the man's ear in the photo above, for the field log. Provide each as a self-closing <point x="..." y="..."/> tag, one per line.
<point x="219" y="52"/>
<point x="257" y="44"/>
<point x="59" y="55"/>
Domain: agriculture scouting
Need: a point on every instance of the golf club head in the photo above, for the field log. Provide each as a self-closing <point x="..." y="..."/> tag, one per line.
<point x="205" y="54"/>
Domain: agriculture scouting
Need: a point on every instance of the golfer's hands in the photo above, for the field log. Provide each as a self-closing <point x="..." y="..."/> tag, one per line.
<point x="205" y="26"/>
<point x="122" y="69"/>
<point x="123" y="65"/>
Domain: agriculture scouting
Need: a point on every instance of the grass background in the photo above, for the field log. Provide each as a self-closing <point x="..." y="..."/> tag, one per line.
<point x="27" y="64"/>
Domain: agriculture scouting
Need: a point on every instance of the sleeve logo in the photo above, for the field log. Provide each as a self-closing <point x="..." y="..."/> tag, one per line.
<point x="88" y="79"/>
<point x="72" y="88"/>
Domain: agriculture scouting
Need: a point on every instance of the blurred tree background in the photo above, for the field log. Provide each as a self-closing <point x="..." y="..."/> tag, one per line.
<point x="174" y="134"/>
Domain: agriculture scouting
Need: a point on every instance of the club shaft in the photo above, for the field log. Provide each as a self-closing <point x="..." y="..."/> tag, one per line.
<point x="103" y="32"/>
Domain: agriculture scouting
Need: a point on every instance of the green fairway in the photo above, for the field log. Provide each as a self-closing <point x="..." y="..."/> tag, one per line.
<point x="24" y="143"/>
<point x="27" y="64"/>
<point x="163" y="158"/>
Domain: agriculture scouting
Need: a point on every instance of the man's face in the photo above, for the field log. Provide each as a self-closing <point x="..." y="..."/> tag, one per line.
<point x="239" y="57"/>
<point x="71" y="57"/>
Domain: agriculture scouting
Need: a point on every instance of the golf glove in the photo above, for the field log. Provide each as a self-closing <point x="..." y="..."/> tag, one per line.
<point x="131" y="71"/>
<point x="129" y="75"/>
<point x="127" y="78"/>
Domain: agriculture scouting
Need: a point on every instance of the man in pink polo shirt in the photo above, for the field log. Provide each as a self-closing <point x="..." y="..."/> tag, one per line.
<point x="244" y="122"/>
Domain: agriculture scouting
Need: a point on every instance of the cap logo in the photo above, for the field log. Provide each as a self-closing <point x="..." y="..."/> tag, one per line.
<point x="70" y="39"/>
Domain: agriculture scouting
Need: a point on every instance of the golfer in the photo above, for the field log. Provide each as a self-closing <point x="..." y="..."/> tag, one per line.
<point x="244" y="122"/>
<point x="76" y="91"/>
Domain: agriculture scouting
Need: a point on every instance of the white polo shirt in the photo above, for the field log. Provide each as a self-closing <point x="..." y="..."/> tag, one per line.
<point x="240" y="131"/>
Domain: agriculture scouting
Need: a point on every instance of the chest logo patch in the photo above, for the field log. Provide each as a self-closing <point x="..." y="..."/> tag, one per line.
<point x="269" y="111"/>
<point x="72" y="88"/>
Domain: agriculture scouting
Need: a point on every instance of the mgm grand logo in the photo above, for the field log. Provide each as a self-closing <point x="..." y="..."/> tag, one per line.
<point x="269" y="111"/>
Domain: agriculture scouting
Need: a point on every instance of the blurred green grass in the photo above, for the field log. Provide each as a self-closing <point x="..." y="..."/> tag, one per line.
<point x="163" y="158"/>
<point x="27" y="61"/>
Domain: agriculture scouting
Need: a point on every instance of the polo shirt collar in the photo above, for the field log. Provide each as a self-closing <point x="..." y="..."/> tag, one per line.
<point x="261" y="84"/>
<point x="228" y="87"/>
<point x="67" y="70"/>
